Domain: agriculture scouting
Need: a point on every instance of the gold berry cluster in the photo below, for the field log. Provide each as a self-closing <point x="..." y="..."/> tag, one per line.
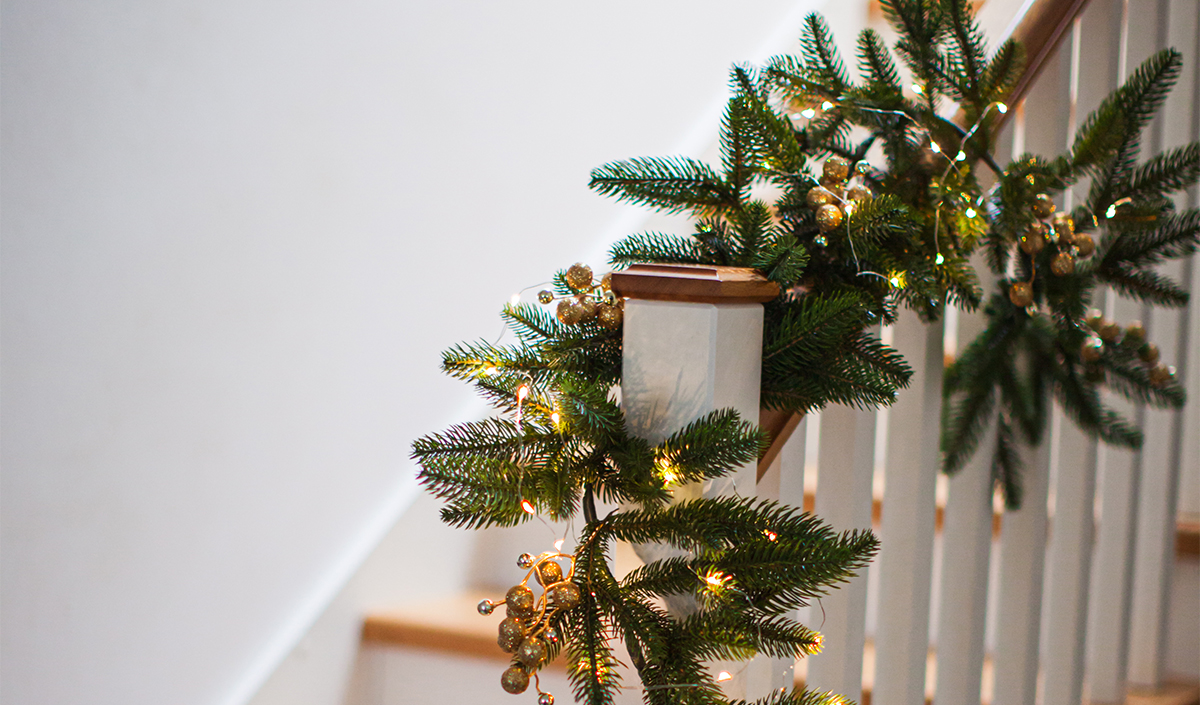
<point x="589" y="302"/>
<point x="837" y="195"/>
<point x="1053" y="228"/>
<point x="526" y="631"/>
<point x="1131" y="340"/>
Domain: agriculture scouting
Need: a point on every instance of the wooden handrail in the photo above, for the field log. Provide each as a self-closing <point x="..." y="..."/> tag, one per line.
<point x="1039" y="27"/>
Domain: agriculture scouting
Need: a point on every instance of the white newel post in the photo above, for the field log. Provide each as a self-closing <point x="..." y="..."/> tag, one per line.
<point x="692" y="345"/>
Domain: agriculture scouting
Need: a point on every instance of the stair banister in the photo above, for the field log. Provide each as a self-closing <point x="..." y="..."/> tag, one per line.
<point x="692" y="345"/>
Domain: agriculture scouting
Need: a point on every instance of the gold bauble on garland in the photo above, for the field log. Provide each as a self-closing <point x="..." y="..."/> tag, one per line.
<point x="515" y="680"/>
<point x="1160" y="375"/>
<point x="568" y="312"/>
<point x="836" y="168"/>
<point x="527" y="631"/>
<point x="1021" y="294"/>
<point x="1135" y="334"/>
<point x="1034" y="239"/>
<point x="818" y="196"/>
<point x="1084" y="245"/>
<point x="829" y="217"/>
<point x="579" y="277"/>
<point x="1148" y="353"/>
<point x="1091" y="350"/>
<point x="1062" y="264"/>
<point x="1043" y="206"/>
<point x="610" y="316"/>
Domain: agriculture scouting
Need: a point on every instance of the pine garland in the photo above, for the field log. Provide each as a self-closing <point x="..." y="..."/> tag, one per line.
<point x="903" y="200"/>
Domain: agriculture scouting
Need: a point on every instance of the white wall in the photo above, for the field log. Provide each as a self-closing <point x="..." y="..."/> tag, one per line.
<point x="235" y="238"/>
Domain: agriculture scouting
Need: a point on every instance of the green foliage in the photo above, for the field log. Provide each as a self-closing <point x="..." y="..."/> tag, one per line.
<point x="745" y="566"/>
<point x="563" y="442"/>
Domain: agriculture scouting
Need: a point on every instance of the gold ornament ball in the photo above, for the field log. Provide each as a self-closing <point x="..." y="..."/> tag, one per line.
<point x="545" y="296"/>
<point x="1160" y="375"/>
<point x="606" y="281"/>
<point x="1064" y="225"/>
<point x="609" y="316"/>
<point x="859" y="193"/>
<point x="836" y="168"/>
<point x="565" y="595"/>
<point x="1084" y="245"/>
<point x="551" y="635"/>
<point x="579" y="277"/>
<point x="1043" y="206"/>
<point x="588" y="308"/>
<point x="1062" y="264"/>
<point x="837" y="188"/>
<point x="545" y="699"/>
<point x="1135" y="334"/>
<point x="1091" y="350"/>
<point x="1034" y="239"/>
<point x="515" y="680"/>
<point x="1021" y="294"/>
<point x="531" y="652"/>
<point x="519" y="600"/>
<point x="525" y="561"/>
<point x="569" y="312"/>
<point x="1109" y="331"/>
<point x="485" y="607"/>
<point x="1148" y="353"/>
<point x="829" y="217"/>
<point x="510" y="634"/>
<point x="818" y="196"/>
<point x="862" y="168"/>
<point x="1094" y="319"/>
<point x="549" y="572"/>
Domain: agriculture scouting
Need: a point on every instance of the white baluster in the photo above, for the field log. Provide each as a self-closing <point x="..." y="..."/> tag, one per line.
<point x="909" y="513"/>
<point x="844" y="502"/>
<point x="1022" y="563"/>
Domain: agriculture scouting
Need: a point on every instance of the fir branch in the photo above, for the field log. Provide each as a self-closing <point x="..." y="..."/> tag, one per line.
<point x="657" y="247"/>
<point x="798" y="697"/>
<point x="1002" y="72"/>
<point x="671" y="184"/>
<point x="711" y="446"/>
<point x="1006" y="464"/>
<point x="876" y="64"/>
<point x="967" y="54"/>
<point x="1081" y="401"/>
<point x="1176" y="236"/>
<point x="1165" y="173"/>
<point x="1132" y="381"/>
<point x="822" y="58"/>
<point x="1144" y="285"/>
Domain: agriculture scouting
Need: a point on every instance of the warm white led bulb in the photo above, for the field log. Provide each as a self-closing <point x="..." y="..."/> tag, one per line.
<point x="514" y="299"/>
<point x="939" y="258"/>
<point x="960" y="157"/>
<point x="916" y="87"/>
<point x="826" y="105"/>
<point x="970" y="212"/>
<point x="935" y="147"/>
<point x="809" y="113"/>
<point x="1002" y="108"/>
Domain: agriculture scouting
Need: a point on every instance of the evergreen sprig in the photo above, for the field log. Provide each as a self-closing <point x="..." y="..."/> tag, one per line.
<point x="738" y="568"/>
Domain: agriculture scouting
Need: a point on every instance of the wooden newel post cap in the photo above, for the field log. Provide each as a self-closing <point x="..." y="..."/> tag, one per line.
<point x="694" y="283"/>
